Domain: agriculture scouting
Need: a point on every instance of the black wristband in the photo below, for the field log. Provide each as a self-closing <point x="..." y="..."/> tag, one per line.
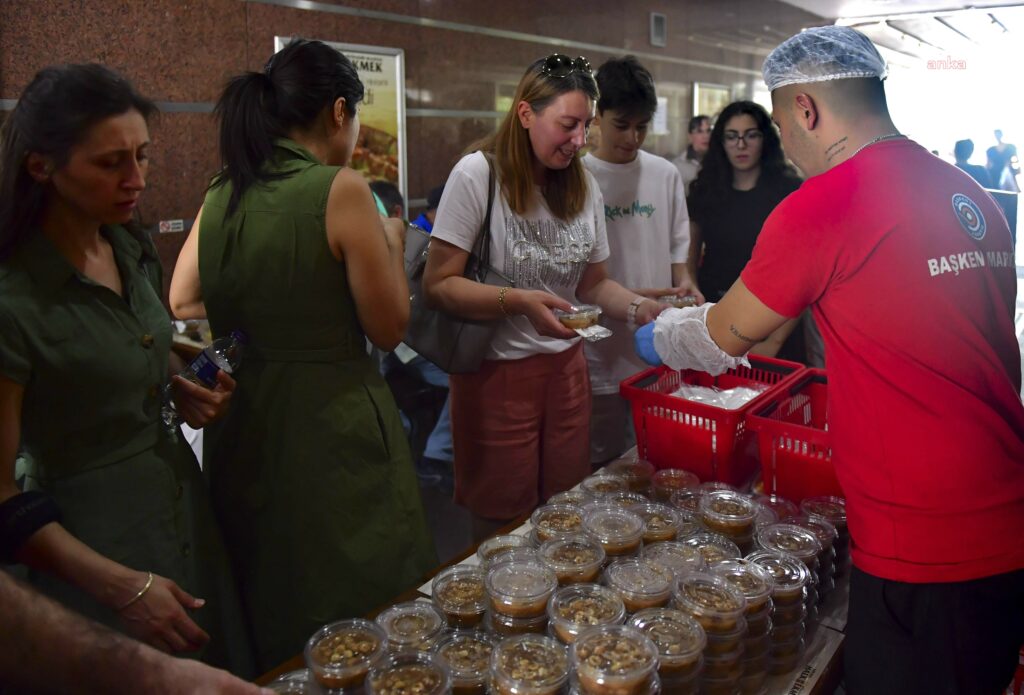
<point x="20" y="517"/>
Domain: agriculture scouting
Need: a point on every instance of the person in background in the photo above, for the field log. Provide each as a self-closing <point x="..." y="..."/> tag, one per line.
<point x="114" y="520"/>
<point x="925" y="414"/>
<point x="1002" y="165"/>
<point x="698" y="138"/>
<point x="425" y="221"/>
<point x="45" y="648"/>
<point x="962" y="151"/>
<point x="310" y="472"/>
<point x="390" y="197"/>
<point x="648" y="238"/>
<point x="521" y="424"/>
<point x="744" y="176"/>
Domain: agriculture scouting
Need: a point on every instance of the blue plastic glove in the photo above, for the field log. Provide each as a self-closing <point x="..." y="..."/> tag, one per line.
<point x="643" y="341"/>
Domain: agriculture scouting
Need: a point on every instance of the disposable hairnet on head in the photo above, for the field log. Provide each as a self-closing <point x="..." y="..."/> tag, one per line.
<point x="820" y="54"/>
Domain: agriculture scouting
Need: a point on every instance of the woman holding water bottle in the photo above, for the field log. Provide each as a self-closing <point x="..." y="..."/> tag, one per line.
<point x="310" y="472"/>
<point x="112" y="518"/>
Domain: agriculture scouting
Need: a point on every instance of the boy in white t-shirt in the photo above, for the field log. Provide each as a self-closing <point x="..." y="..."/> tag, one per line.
<point x="648" y="238"/>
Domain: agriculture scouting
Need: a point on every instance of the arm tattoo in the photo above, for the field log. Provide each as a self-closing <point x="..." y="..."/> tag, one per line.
<point x="836" y="148"/>
<point x="735" y="331"/>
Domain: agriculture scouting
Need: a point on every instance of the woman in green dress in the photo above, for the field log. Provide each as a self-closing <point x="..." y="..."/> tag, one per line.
<point x="114" y="519"/>
<point x="310" y="472"/>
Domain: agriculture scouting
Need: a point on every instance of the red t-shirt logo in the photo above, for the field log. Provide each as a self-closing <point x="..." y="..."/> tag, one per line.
<point x="969" y="215"/>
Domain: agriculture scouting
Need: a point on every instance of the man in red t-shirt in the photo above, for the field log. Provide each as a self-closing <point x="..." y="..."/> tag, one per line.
<point x="907" y="265"/>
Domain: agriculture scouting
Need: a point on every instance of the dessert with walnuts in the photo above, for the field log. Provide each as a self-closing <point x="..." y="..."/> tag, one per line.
<point x="583" y="316"/>
<point x="574" y="608"/>
<point x="339" y="655"/>
<point x="468" y="655"/>
<point x="495" y="545"/>
<point x="676" y="557"/>
<point x="529" y="664"/>
<point x="614" y="660"/>
<point x="520" y="589"/>
<point x="711" y="600"/>
<point x="669" y="480"/>
<point x="679" y="638"/>
<point x="409" y="672"/>
<point x="637" y="472"/>
<point x="460" y="593"/>
<point x="618" y="530"/>
<point x="573" y="560"/>
<point x="661" y="523"/>
<point x="640" y="584"/>
<point x="556" y="521"/>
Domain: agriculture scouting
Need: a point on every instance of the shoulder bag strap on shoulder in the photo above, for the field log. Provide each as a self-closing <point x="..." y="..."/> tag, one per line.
<point x="483" y="244"/>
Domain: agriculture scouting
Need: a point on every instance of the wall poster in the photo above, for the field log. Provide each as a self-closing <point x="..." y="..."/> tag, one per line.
<point x="380" y="150"/>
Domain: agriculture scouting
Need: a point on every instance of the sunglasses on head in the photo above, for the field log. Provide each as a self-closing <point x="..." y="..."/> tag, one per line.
<point x="559" y="65"/>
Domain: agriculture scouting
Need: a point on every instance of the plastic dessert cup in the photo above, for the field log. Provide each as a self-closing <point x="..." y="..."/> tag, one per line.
<point x="409" y="672"/>
<point x="340" y="655"/>
<point x="678" y="301"/>
<point x="573" y="609"/>
<point x="679" y="638"/>
<point x="729" y="513"/>
<point x="713" y="546"/>
<point x="529" y="665"/>
<point x="496" y="544"/>
<point x="753" y="581"/>
<point x="468" y="655"/>
<point x="711" y="600"/>
<point x="791" y="539"/>
<point x="676" y="557"/>
<point x="782" y="507"/>
<point x="614" y="660"/>
<point x="573" y="560"/>
<point x="638" y="473"/>
<point x="687" y="499"/>
<point x="600" y="484"/>
<point x="557" y="521"/>
<point x="414" y="625"/>
<point x="618" y="530"/>
<point x="460" y="593"/>
<point x="661" y="522"/>
<point x="505" y="626"/>
<point x="520" y="589"/>
<point x="577" y="497"/>
<point x="724" y="643"/>
<point x="582" y="316"/>
<point x="669" y="480"/>
<point x="789" y="574"/>
<point x="292" y="683"/>
<point x="640" y="584"/>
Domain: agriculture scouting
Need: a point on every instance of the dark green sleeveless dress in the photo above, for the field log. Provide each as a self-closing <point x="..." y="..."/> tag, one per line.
<point x="310" y="472"/>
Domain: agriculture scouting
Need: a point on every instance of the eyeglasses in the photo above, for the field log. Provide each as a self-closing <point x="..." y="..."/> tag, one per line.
<point x="732" y="138"/>
<point x="559" y="65"/>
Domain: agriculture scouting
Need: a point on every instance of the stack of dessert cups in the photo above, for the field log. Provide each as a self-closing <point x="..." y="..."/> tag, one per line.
<point x="756" y="585"/>
<point x="789" y="612"/>
<point x="719" y="608"/>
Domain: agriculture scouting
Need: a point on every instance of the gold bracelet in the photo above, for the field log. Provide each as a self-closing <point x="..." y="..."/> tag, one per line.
<point x="149" y="583"/>
<point x="501" y="301"/>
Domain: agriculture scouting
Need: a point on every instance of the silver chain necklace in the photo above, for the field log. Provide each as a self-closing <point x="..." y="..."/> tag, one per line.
<point x="889" y="136"/>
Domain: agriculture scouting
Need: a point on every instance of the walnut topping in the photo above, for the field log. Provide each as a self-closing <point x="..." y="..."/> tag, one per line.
<point x="729" y="507"/>
<point x="792" y="543"/>
<point x="409" y="625"/>
<point x="613" y="654"/>
<point x="587" y="610"/>
<point x="462" y="592"/>
<point x="467" y="655"/>
<point x="712" y="553"/>
<point x="573" y="554"/>
<point x="532" y="662"/>
<point x="410" y="679"/>
<point x="606" y="484"/>
<point x="658" y="522"/>
<point x="560" y="521"/>
<point x="710" y="596"/>
<point x="746" y="582"/>
<point x="345" y="649"/>
<point x="671" y="638"/>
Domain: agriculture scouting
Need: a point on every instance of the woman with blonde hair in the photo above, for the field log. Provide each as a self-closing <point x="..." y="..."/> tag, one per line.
<point x="521" y="423"/>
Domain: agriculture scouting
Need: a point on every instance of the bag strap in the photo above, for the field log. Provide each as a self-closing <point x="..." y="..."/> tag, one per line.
<point x="482" y="248"/>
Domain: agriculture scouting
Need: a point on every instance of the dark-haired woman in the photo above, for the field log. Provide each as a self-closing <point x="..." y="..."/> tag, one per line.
<point x="310" y="472"/>
<point x="743" y="177"/>
<point x="114" y="520"/>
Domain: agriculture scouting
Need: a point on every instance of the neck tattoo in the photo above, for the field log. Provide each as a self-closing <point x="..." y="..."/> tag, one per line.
<point x="836" y="147"/>
<point x="869" y="143"/>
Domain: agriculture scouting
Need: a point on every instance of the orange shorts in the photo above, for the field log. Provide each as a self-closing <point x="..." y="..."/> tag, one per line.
<point x="521" y="430"/>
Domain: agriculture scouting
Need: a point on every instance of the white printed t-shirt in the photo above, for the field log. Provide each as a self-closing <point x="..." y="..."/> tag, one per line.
<point x="648" y="231"/>
<point x="536" y="250"/>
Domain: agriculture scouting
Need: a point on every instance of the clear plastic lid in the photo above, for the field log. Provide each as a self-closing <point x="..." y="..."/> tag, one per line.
<point x="713" y="546"/>
<point x="819" y="526"/>
<point x="520" y="580"/>
<point x="292" y="683"/>
<point x="578" y="553"/>
<point x="639" y="579"/>
<point x="678" y="558"/>
<point x="703" y="594"/>
<point x="661" y="522"/>
<point x="511" y="554"/>
<point x="410" y="625"/>
<point x="529" y="665"/>
<point x="460" y="589"/>
<point x="468" y="655"/>
<point x="765" y="516"/>
<point x="668" y="480"/>
<point x="789" y="538"/>
<point x="727" y="509"/>
<point x="422" y="673"/>
<point x="687" y="500"/>
<point x="638" y="472"/>
<point x="626" y="499"/>
<point x="574" y="608"/>
<point x="752" y="580"/>
<point x="340" y="654"/>
<point x="831" y="508"/>
<point x="581" y="316"/>
<point x="712" y="485"/>
<point x="613" y="657"/>
<point x="678" y="301"/>
<point x="782" y="507"/>
<point x="613" y="525"/>
<point x="577" y="497"/>
<point x="677" y="636"/>
<point x="494" y="545"/>
<point x="557" y="521"/>
<point x="601" y="484"/>
<point x="788" y="573"/>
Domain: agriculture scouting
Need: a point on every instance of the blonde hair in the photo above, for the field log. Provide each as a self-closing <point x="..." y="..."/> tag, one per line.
<point x="565" y="190"/>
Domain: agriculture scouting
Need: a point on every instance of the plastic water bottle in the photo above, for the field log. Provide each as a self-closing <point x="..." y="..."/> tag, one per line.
<point x="223" y="353"/>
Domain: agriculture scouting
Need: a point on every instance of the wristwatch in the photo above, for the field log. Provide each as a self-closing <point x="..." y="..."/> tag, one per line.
<point x="631" y="311"/>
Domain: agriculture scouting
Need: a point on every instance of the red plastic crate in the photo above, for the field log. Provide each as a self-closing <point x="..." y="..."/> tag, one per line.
<point x="714" y="443"/>
<point x="792" y="433"/>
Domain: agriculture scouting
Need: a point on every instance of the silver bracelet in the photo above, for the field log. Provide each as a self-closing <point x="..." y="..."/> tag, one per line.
<point x="631" y="311"/>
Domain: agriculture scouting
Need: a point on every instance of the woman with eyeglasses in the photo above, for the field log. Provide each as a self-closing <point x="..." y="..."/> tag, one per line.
<point x="743" y="177"/>
<point x="521" y="423"/>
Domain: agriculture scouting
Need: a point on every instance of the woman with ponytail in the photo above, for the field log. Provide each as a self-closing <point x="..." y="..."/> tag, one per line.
<point x="310" y="472"/>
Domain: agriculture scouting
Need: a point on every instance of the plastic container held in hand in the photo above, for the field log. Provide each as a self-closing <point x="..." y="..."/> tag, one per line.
<point x="222" y="354"/>
<point x="678" y="301"/>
